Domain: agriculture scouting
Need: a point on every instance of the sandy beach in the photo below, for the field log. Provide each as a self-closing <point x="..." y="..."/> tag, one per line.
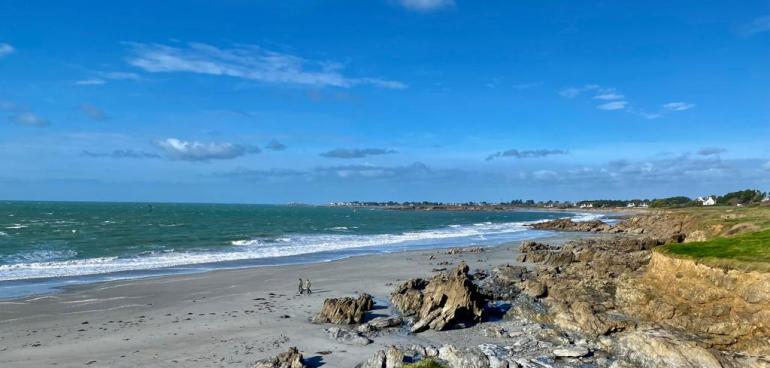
<point x="226" y="318"/>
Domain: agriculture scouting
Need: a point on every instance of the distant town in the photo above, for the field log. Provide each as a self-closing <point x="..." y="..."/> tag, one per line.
<point x="748" y="197"/>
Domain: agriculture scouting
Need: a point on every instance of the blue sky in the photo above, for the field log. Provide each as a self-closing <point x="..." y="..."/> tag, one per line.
<point x="316" y="101"/>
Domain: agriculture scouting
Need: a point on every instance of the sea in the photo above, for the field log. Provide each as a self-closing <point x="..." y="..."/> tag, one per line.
<point x="45" y="246"/>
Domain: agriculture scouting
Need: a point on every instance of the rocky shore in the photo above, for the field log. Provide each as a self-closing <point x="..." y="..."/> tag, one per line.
<point x="598" y="296"/>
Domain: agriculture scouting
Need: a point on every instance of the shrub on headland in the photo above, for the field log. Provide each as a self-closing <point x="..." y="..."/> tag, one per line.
<point x="743" y="197"/>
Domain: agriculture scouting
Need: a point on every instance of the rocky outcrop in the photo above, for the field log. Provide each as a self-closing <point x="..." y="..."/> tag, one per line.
<point x="379" y="323"/>
<point x="344" y="310"/>
<point x="652" y="348"/>
<point x="289" y="359"/>
<point x="392" y="357"/>
<point x="725" y="309"/>
<point x="346" y="336"/>
<point x="408" y="296"/>
<point x="446" y="301"/>
<point x="569" y="225"/>
<point x="454" y="251"/>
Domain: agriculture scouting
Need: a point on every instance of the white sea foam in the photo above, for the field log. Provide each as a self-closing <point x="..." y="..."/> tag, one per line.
<point x="586" y="216"/>
<point x="257" y="249"/>
<point x="47" y="266"/>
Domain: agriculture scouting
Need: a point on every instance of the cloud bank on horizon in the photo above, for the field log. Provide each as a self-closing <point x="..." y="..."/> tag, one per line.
<point x="402" y="99"/>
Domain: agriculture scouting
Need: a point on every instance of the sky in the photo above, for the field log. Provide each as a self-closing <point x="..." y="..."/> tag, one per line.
<point x="441" y="100"/>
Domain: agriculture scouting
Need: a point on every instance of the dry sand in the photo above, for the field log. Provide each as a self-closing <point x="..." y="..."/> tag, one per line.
<point x="226" y="318"/>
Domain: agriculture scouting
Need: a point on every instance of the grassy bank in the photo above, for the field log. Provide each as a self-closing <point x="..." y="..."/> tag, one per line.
<point x="748" y="252"/>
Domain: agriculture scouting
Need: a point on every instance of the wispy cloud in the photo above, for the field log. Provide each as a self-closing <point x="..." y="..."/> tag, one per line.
<point x="356" y="152"/>
<point x="572" y="92"/>
<point x="247" y="62"/>
<point x="414" y="171"/>
<point x="121" y="153"/>
<point x="177" y="149"/>
<point x="426" y="5"/>
<point x="90" y="82"/>
<point x="93" y="112"/>
<point x="113" y="75"/>
<point x="29" y="118"/>
<point x="614" y="105"/>
<point x="262" y="174"/>
<point x="609" y="94"/>
<point x="614" y="100"/>
<point x="678" y="106"/>
<point x="101" y="77"/>
<point x="21" y="115"/>
<point x="758" y="25"/>
<point x="766" y="166"/>
<point x="274" y="145"/>
<point x="711" y="151"/>
<point x="6" y="49"/>
<point x="538" y="153"/>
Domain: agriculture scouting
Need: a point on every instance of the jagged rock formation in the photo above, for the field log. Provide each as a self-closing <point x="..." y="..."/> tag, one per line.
<point x="289" y="359"/>
<point x="392" y="357"/>
<point x="659" y="310"/>
<point x="344" y="310"/>
<point x="441" y="303"/>
<point x="569" y="225"/>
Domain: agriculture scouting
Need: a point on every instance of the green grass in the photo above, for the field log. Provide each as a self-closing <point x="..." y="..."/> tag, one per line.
<point x="749" y="252"/>
<point x="427" y="363"/>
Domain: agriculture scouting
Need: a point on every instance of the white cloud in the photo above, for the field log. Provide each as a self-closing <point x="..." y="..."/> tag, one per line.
<point x="29" y="118"/>
<point x="767" y="166"/>
<point x="609" y="94"/>
<point x="426" y="5"/>
<point x="678" y="106"/>
<point x="247" y="62"/>
<point x="200" y="151"/>
<point x="119" y="75"/>
<point x="614" y="105"/>
<point x="90" y="82"/>
<point x="101" y="78"/>
<point x="758" y="25"/>
<point x="6" y="49"/>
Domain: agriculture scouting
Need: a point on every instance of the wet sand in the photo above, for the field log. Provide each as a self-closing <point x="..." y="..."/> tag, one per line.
<point x="226" y="318"/>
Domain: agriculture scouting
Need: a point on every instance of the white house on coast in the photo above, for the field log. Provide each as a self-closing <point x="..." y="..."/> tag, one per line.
<point x="707" y="200"/>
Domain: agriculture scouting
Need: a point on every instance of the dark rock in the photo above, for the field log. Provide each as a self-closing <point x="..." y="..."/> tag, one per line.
<point x="289" y="359"/>
<point x="344" y="310"/>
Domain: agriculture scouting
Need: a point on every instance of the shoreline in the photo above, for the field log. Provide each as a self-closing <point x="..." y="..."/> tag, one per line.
<point x="17" y="288"/>
<point x="221" y="317"/>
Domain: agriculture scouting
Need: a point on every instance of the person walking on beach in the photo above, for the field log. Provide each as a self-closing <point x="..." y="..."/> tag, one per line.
<point x="301" y="287"/>
<point x="307" y="287"/>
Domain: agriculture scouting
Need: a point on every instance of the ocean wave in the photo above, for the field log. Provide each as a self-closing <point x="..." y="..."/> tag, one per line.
<point x="246" y="249"/>
<point x="37" y="256"/>
<point x="48" y="264"/>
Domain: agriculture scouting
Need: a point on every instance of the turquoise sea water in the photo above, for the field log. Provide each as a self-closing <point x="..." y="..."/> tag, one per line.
<point x="48" y="244"/>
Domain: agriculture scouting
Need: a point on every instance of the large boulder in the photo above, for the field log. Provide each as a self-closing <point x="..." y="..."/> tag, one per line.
<point x="649" y="348"/>
<point x="344" y="310"/>
<point x="380" y="323"/>
<point x="463" y="358"/>
<point x="444" y="302"/>
<point x="289" y="359"/>
<point x="408" y="296"/>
